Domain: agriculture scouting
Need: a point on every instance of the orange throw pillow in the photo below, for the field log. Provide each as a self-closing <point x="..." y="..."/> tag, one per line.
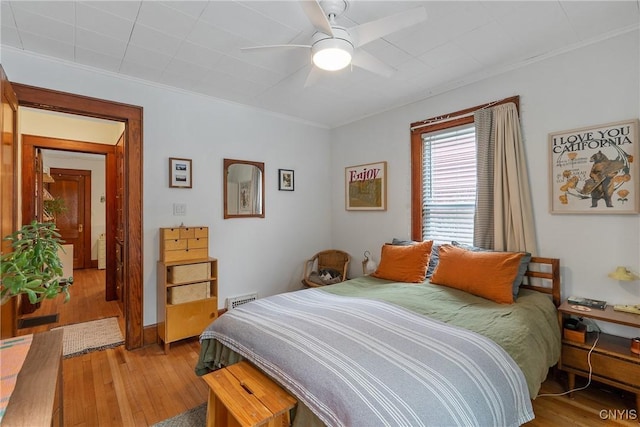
<point x="485" y="274"/>
<point x="404" y="263"/>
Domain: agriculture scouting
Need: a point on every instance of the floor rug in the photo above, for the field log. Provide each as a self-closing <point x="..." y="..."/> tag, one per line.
<point x="31" y="322"/>
<point x="194" y="417"/>
<point x="85" y="337"/>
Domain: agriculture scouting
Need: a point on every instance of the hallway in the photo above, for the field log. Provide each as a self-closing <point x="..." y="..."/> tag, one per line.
<point x="87" y="302"/>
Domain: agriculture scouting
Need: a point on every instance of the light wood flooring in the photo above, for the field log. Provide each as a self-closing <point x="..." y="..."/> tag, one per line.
<point x="116" y="387"/>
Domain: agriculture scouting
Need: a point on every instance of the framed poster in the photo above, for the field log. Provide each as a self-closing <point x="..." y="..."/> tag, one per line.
<point x="595" y="169"/>
<point x="179" y="173"/>
<point x="366" y="187"/>
<point x="285" y="180"/>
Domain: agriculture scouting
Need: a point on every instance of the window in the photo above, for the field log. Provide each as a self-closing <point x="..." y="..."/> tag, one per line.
<point x="443" y="176"/>
<point x="449" y="184"/>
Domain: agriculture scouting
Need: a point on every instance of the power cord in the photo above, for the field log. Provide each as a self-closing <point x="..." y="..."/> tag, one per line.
<point x="590" y="372"/>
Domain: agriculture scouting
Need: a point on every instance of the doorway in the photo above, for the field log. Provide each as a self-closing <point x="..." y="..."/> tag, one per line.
<point x="75" y="184"/>
<point x="131" y="214"/>
<point x="32" y="145"/>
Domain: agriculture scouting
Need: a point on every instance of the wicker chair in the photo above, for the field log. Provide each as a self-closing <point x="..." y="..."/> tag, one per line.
<point x="332" y="261"/>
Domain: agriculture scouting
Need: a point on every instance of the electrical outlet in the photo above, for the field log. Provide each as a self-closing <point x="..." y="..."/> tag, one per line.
<point x="179" y="209"/>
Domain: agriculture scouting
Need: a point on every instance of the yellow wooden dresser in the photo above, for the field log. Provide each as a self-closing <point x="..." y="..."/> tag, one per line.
<point x="187" y="284"/>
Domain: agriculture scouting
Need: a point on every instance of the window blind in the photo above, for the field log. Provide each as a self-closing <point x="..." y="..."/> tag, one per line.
<point x="449" y="184"/>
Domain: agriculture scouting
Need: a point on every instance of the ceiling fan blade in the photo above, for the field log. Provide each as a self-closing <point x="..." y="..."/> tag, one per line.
<point x="275" y="46"/>
<point x="312" y="77"/>
<point x="370" y="31"/>
<point x="369" y="62"/>
<point x="316" y="15"/>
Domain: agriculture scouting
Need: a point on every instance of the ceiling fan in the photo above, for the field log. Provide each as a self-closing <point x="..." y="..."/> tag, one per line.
<point x="334" y="47"/>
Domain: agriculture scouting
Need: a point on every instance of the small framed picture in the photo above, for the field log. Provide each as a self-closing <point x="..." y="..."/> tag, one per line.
<point x="179" y="173"/>
<point x="285" y="180"/>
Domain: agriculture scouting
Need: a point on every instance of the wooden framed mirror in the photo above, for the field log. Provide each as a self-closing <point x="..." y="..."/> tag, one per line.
<point x="243" y="189"/>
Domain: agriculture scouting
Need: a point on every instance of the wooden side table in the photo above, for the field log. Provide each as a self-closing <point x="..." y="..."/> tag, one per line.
<point x="612" y="361"/>
<point x="37" y="397"/>
<point x="241" y="395"/>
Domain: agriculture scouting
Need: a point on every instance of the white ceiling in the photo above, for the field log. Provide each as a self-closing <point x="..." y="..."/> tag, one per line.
<point x="195" y="46"/>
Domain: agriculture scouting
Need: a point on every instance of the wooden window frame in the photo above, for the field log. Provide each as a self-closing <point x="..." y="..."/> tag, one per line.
<point x="434" y="124"/>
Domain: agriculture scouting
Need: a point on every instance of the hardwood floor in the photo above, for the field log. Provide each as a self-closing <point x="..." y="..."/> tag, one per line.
<point x="597" y="405"/>
<point x="86" y="303"/>
<point x="116" y="387"/>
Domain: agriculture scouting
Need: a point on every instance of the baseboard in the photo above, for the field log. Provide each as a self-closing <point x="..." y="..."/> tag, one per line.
<point x="150" y="335"/>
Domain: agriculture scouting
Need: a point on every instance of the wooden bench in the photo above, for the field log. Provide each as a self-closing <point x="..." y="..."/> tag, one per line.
<point x="241" y="395"/>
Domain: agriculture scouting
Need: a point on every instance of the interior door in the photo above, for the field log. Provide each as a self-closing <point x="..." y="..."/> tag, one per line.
<point x="74" y="223"/>
<point x="8" y="189"/>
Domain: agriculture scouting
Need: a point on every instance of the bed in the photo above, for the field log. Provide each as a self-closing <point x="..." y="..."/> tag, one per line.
<point x="372" y="351"/>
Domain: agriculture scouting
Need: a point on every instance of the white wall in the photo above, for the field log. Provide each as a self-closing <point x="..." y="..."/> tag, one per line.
<point x="263" y="255"/>
<point x="592" y="85"/>
<point x="34" y="121"/>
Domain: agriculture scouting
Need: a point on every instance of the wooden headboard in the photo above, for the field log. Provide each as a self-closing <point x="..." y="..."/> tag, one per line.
<point x="553" y="276"/>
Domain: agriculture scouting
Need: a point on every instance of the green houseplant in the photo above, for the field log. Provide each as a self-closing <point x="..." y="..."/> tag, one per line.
<point x="33" y="268"/>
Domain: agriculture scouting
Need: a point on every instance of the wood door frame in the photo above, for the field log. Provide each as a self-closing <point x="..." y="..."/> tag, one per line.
<point x="8" y="189"/>
<point x="86" y="215"/>
<point x="131" y="116"/>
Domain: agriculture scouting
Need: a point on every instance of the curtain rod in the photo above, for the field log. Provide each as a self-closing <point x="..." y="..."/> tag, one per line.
<point x="454" y="116"/>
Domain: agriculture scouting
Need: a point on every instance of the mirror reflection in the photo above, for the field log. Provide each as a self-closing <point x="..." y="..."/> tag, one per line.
<point x="243" y="189"/>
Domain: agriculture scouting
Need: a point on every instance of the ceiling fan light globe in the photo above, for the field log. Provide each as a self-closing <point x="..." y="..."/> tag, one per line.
<point x="332" y="59"/>
<point x="332" y="53"/>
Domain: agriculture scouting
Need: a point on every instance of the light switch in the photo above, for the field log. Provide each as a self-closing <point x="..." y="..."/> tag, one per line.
<point x="179" y="209"/>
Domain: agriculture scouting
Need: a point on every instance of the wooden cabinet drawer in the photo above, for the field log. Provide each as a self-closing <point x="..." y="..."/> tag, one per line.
<point x="186" y="255"/>
<point x="189" y="319"/>
<point x="201" y="232"/>
<point x="169" y="233"/>
<point x="174" y="244"/>
<point x="187" y="233"/>
<point x="198" y="243"/>
<point x="604" y="365"/>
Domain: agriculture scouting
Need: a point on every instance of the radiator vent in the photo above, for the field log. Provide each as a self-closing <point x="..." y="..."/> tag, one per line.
<point x="233" y="302"/>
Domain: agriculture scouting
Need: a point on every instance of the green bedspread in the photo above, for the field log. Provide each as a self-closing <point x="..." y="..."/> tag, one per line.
<point x="528" y="329"/>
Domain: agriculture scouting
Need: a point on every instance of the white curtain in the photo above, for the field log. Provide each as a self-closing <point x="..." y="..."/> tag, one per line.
<point x="513" y="226"/>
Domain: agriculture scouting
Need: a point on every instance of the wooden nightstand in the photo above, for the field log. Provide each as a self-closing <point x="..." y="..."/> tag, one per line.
<point x="612" y="361"/>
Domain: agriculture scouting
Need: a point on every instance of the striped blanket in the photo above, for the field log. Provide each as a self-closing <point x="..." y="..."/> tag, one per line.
<point x="361" y="362"/>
